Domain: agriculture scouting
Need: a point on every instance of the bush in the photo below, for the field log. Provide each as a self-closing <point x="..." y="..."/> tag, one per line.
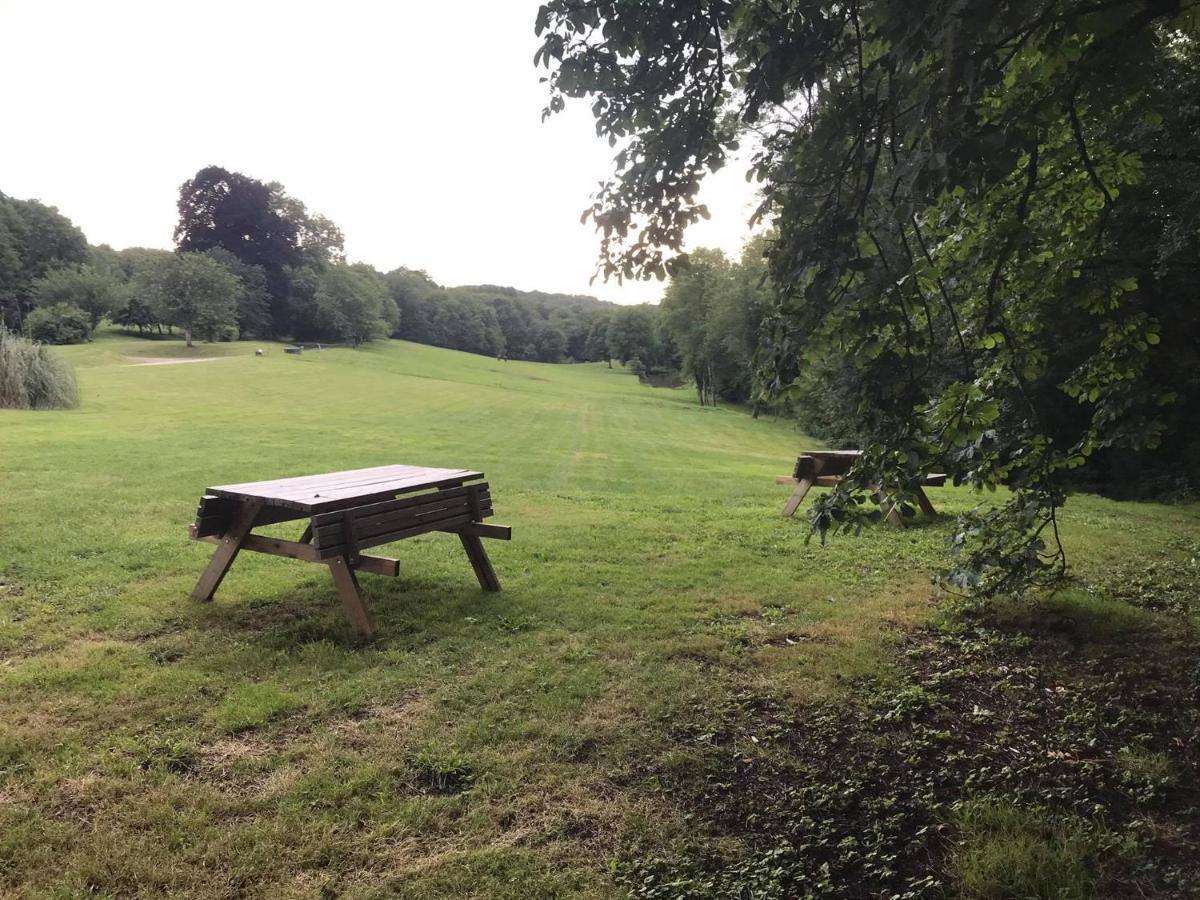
<point x="33" y="376"/>
<point x="60" y="323"/>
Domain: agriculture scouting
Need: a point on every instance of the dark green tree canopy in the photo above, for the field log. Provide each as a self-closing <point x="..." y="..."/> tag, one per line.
<point x="952" y="185"/>
<point x="219" y="208"/>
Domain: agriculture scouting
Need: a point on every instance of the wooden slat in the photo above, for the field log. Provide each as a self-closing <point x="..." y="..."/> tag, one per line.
<point x="373" y="473"/>
<point x="368" y="510"/>
<point x="334" y="502"/>
<point x="333" y="490"/>
<point x="363" y="529"/>
<point x="438" y="521"/>
<point x="479" y="529"/>
<point x="452" y="523"/>
<point x="376" y="565"/>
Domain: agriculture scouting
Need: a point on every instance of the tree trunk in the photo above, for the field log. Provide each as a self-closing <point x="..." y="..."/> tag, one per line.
<point x="187" y="336"/>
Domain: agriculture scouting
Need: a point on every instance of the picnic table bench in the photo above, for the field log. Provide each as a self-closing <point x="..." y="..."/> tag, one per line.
<point x="348" y="512"/>
<point x="825" y="468"/>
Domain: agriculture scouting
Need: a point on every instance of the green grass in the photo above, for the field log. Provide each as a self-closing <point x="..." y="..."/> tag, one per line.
<point x="484" y="745"/>
<point x="1028" y="853"/>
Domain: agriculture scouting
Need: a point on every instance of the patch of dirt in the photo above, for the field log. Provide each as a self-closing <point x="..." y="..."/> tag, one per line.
<point x="850" y="799"/>
<point x="171" y="360"/>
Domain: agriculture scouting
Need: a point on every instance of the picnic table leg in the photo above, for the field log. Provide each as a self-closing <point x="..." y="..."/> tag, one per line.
<point x="888" y="506"/>
<point x="923" y="500"/>
<point x="802" y="489"/>
<point x="480" y="562"/>
<point x="356" y="608"/>
<point x="306" y="535"/>
<point x="797" y="496"/>
<point x="231" y="542"/>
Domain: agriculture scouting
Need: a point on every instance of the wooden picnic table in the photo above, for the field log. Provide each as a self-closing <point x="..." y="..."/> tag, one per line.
<point x="348" y="512"/>
<point x="825" y="468"/>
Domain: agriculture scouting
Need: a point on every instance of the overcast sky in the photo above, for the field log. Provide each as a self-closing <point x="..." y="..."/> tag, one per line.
<point x="415" y="126"/>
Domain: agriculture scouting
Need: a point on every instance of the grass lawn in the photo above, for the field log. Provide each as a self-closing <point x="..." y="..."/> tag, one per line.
<point x="509" y="745"/>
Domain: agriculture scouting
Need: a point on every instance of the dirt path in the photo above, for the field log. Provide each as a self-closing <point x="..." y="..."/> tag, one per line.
<point x="171" y="361"/>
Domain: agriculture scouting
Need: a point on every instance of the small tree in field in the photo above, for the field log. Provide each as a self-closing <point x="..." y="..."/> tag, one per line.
<point x="193" y="292"/>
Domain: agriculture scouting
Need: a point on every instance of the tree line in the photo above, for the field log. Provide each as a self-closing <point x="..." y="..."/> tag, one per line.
<point x="251" y="261"/>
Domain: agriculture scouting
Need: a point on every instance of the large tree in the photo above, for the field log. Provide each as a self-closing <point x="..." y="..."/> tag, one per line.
<point x="240" y="214"/>
<point x="949" y="182"/>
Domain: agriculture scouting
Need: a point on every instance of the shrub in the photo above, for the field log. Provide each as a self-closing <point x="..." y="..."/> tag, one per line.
<point x="60" y="323"/>
<point x="33" y="376"/>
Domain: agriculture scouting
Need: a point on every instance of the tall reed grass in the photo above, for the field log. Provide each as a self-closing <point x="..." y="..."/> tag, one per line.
<point x="32" y="376"/>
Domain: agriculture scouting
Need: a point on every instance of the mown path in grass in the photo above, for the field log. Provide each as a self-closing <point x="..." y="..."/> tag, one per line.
<point x="484" y="745"/>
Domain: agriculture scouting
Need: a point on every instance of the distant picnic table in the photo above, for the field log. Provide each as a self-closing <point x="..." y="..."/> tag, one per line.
<point x="348" y="512"/>
<point x="825" y="468"/>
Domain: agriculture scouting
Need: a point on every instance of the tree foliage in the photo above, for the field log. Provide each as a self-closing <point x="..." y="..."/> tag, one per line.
<point x="94" y="291"/>
<point x="58" y="323"/>
<point x="193" y="292"/>
<point x="497" y="320"/>
<point x="34" y="238"/>
<point x="954" y="189"/>
<point x="713" y="309"/>
<point x="353" y="304"/>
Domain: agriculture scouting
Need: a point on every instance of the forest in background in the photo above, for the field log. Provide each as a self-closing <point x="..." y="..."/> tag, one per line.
<point x="252" y="262"/>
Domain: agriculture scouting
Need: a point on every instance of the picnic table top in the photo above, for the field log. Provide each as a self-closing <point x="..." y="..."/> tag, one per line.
<point x="828" y="453"/>
<point x="336" y="490"/>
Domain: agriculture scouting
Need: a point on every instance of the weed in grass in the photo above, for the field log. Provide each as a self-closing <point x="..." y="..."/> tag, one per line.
<point x="1005" y="851"/>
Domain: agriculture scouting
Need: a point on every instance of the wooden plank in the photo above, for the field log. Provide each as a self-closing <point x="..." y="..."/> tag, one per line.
<point x="479" y="529"/>
<point x="344" y="498"/>
<point x="819" y="481"/>
<point x="338" y="501"/>
<point x="373" y="473"/>
<point x="452" y="523"/>
<point x="333" y="490"/>
<point x="226" y="552"/>
<point x="480" y="562"/>
<point x="355" y="607"/>
<point x="366" y="529"/>
<point x="330" y="529"/>
<point x="367" y="510"/>
<point x="376" y="565"/>
<point x="273" y="546"/>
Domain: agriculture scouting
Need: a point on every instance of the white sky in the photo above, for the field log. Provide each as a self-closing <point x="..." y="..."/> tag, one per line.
<point x="416" y="126"/>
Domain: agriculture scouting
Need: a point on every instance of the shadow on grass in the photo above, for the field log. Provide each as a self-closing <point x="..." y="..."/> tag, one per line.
<point x="409" y="612"/>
